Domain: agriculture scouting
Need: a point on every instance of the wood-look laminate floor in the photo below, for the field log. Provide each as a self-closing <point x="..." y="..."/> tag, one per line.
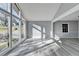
<point x="36" y="47"/>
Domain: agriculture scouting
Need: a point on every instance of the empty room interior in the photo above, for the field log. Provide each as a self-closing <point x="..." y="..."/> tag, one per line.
<point x="39" y="29"/>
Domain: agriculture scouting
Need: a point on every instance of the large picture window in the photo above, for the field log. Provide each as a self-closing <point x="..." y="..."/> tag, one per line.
<point x="4" y="34"/>
<point x="10" y="25"/>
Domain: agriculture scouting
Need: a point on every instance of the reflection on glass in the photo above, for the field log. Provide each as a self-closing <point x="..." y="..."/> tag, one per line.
<point x="15" y="30"/>
<point x="15" y="26"/>
<point x="4" y="34"/>
<point x="14" y="12"/>
<point x="4" y="6"/>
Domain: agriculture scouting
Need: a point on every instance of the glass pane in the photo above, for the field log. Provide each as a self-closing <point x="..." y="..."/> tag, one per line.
<point x="4" y="34"/>
<point x="15" y="11"/>
<point x="15" y="30"/>
<point x="4" y="6"/>
<point x="65" y="27"/>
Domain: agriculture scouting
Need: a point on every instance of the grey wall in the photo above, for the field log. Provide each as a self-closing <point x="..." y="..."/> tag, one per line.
<point x="78" y="29"/>
<point x="24" y="32"/>
<point x="72" y="28"/>
<point x="46" y="24"/>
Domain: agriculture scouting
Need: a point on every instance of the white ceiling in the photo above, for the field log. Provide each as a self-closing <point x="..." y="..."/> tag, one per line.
<point x="39" y="11"/>
<point x="46" y="11"/>
<point x="65" y="7"/>
<point x="71" y="17"/>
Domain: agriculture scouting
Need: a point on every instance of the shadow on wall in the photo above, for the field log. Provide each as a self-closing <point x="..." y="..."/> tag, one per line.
<point x="39" y="29"/>
<point x="36" y="31"/>
<point x="72" y="29"/>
